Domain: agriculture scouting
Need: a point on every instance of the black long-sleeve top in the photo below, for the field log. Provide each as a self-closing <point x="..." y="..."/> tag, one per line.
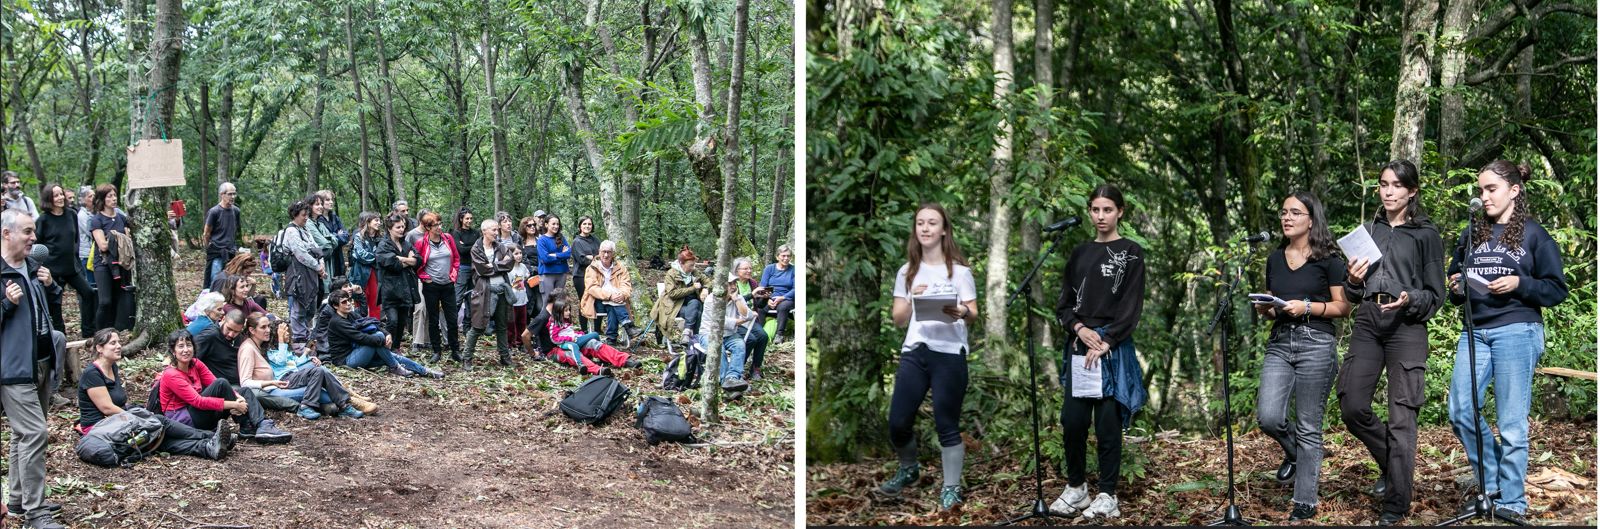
<point x="1413" y="262"/>
<point x="1103" y="286"/>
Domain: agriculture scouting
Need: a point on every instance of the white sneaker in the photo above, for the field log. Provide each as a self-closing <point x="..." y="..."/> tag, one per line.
<point x="1071" y="501"/>
<point x="1105" y="505"/>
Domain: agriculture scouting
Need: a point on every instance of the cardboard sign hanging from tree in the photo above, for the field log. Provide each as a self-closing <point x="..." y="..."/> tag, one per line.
<point x="155" y="163"/>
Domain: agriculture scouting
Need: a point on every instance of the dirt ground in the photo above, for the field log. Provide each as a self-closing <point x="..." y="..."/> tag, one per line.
<point x="1185" y="483"/>
<point x="485" y="449"/>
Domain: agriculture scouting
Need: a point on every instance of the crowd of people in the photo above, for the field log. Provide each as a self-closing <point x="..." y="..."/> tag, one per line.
<point x="349" y="299"/>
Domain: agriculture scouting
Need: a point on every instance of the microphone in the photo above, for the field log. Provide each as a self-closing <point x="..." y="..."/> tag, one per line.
<point x="1259" y="237"/>
<point x="38" y="252"/>
<point x="1476" y="204"/>
<point x="1064" y="224"/>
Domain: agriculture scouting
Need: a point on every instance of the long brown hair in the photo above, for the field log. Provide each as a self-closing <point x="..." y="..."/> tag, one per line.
<point x="1515" y="175"/>
<point x="952" y="253"/>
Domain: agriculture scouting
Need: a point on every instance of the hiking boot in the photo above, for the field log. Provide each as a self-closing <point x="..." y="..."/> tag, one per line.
<point x="309" y="414"/>
<point x="455" y="355"/>
<point x="1104" y="506"/>
<point x="268" y="433"/>
<point x="734" y="384"/>
<point x="755" y="374"/>
<point x="366" y="407"/>
<point x="631" y="363"/>
<point x="1071" y="501"/>
<point x="45" y="521"/>
<point x="221" y="441"/>
<point x="434" y="373"/>
<point x="505" y="357"/>
<point x="15" y="509"/>
<point x="351" y="412"/>
<point x="1286" y="470"/>
<point x="1302" y="511"/>
<point x="1390" y="518"/>
<point x="949" y="497"/>
<point x="903" y="477"/>
<point x="57" y="401"/>
<point x="1381" y="487"/>
<point x="436" y="358"/>
<point x="1509" y="515"/>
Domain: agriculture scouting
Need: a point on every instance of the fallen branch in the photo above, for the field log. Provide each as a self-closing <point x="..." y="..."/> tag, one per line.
<point x="1569" y="373"/>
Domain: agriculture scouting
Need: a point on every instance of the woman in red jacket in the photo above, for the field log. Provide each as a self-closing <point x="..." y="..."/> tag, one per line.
<point x="437" y="269"/>
<point x="190" y="394"/>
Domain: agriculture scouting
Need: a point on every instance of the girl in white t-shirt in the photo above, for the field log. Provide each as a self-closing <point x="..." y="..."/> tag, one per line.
<point x="934" y="354"/>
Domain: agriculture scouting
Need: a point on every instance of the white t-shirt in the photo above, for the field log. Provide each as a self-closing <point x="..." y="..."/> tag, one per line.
<point x="938" y="336"/>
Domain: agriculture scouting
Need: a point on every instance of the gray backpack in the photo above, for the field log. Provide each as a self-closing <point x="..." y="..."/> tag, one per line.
<point x="122" y="439"/>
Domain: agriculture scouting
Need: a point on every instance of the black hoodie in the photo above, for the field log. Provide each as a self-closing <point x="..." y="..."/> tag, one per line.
<point x="1413" y="262"/>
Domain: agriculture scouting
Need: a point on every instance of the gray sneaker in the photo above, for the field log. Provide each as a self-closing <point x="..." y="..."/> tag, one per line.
<point x="949" y="497"/>
<point x="904" y="477"/>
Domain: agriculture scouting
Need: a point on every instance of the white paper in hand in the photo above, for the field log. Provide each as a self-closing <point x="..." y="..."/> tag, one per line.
<point x="1086" y="380"/>
<point x="1477" y="282"/>
<point x="1268" y="299"/>
<point x="931" y="308"/>
<point x="1359" y="245"/>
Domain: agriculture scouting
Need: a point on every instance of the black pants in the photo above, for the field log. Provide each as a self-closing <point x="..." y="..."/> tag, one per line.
<point x="114" y="303"/>
<point x="922" y="369"/>
<point x="690" y="312"/>
<point x="86" y="304"/>
<point x="441" y="299"/>
<point x="397" y="317"/>
<point x="1382" y="341"/>
<point x="577" y="297"/>
<point x="783" y="312"/>
<point x="181" y="439"/>
<point x="207" y="419"/>
<point x="1075" y="417"/>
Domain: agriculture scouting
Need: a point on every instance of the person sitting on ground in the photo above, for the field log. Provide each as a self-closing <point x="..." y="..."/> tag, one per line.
<point x="352" y="346"/>
<point x="190" y="394"/>
<point x="242" y="266"/>
<point x="218" y="346"/>
<point x="236" y="296"/>
<point x="101" y="395"/>
<point x="755" y="337"/>
<point x="736" y="316"/>
<point x="608" y="288"/>
<point x="779" y="278"/>
<point x="306" y="382"/>
<point x="319" y="328"/>
<point x="580" y="350"/>
<point x="679" y="309"/>
<point x="205" y="311"/>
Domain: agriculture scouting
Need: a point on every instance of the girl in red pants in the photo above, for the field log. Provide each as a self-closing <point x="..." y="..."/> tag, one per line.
<point x="580" y="350"/>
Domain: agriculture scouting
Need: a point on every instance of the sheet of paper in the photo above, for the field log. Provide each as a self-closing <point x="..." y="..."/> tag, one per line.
<point x="155" y="163"/>
<point x="1477" y="282"/>
<point x="1359" y="245"/>
<point x="1260" y="299"/>
<point x="1086" y="380"/>
<point x="931" y="308"/>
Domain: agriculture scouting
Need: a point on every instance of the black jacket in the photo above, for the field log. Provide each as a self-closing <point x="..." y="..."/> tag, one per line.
<point x="20" y="343"/>
<point x="397" y="283"/>
<point x="220" y="354"/>
<point x="343" y="336"/>
<point x="1413" y="262"/>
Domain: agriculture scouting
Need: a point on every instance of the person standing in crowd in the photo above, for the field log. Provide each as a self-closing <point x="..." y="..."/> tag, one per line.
<point x="14" y="198"/>
<point x="101" y="395"/>
<point x="1397" y="295"/>
<point x="324" y="239"/>
<point x="610" y="289"/>
<point x="364" y="258"/>
<point x="755" y="338"/>
<point x="679" y="308"/>
<point x="933" y="355"/>
<point x="114" y="290"/>
<point x="221" y="232"/>
<point x="58" y="232"/>
<point x="403" y="210"/>
<point x="303" y="279"/>
<point x="778" y="278"/>
<point x="1515" y="272"/>
<point x="25" y="337"/>
<point x="465" y="236"/>
<point x="1100" y="302"/>
<point x="397" y="279"/>
<point x="440" y="262"/>
<point x="584" y="248"/>
<point x="554" y="252"/>
<point x="1301" y="360"/>
<point x="84" y="210"/>
<point x="527" y="234"/>
<point x="492" y="261"/>
<point x="335" y="225"/>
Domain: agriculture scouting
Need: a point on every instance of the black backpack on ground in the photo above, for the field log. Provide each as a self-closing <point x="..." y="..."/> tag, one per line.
<point x="121" y="439"/>
<point x="595" y="399"/>
<point x="661" y="420"/>
<point x="683" y="371"/>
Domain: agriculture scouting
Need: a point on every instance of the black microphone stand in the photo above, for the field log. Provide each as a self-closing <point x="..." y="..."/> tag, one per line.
<point x="1040" y="510"/>
<point x="1481" y="508"/>
<point x="1231" y="516"/>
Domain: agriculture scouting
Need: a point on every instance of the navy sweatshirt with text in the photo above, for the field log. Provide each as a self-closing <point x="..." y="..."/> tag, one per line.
<point x="1536" y="263"/>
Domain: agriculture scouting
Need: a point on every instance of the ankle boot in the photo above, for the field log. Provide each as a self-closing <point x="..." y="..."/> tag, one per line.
<point x="505" y="357"/>
<point x="435" y="358"/>
<point x="472" y="347"/>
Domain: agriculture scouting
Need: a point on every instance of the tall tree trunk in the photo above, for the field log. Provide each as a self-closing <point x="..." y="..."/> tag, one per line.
<point x="998" y="264"/>
<point x="205" y="140"/>
<point x="225" y="134"/>
<point x="389" y="137"/>
<point x="361" y="113"/>
<point x="776" y="223"/>
<point x="1044" y="84"/>
<point x="157" y="301"/>
<point x="755" y="158"/>
<point x="1310" y="72"/>
<point x="712" y="326"/>
<point x="703" y="152"/>
<point x="21" y="113"/>
<point x="496" y="110"/>
<point x="1411" y="93"/>
<point x="136" y="15"/>
<point x="314" y="167"/>
<point x="93" y="124"/>
<point x="572" y="90"/>
<point x="1452" y="70"/>
<point x="462" y="159"/>
<point x="1242" y="155"/>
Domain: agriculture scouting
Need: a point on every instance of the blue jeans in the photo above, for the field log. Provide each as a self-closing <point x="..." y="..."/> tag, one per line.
<point x="733" y="356"/>
<point x="615" y="315"/>
<point x="83" y="270"/>
<point x="1300" y="365"/>
<point x="1506" y="355"/>
<point x="212" y="272"/>
<point x="373" y="356"/>
<point x="299" y="393"/>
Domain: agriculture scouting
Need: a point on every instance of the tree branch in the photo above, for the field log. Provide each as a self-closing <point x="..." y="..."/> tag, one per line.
<point x="1503" y="19"/>
<point x="1493" y="70"/>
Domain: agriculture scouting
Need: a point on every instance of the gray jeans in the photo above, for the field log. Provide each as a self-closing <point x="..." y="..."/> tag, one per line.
<point x="1300" y="366"/>
<point x="25" y="478"/>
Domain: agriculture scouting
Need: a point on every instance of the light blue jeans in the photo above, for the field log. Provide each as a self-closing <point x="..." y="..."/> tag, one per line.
<point x="1506" y="355"/>
<point x="733" y="355"/>
<point x="372" y="356"/>
<point x="299" y="393"/>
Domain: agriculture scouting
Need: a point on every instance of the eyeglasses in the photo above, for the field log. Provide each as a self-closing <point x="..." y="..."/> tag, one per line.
<point x="1284" y="213"/>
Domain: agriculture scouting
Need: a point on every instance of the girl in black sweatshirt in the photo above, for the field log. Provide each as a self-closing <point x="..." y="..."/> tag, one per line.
<point x="1513" y="269"/>
<point x="1100" y="305"/>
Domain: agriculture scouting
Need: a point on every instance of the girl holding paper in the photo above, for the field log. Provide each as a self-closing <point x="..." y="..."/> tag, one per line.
<point x="1518" y="271"/>
<point x="1301" y="359"/>
<point x="934" y="354"/>
<point x="1398" y="294"/>
<point x="1100" y="305"/>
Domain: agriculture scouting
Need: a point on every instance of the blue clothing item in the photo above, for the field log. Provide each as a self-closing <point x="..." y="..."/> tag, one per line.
<point x="733" y="355"/>
<point x="297" y="394"/>
<point x="1536" y="263"/>
<point x="1506" y="355"/>
<point x="781" y="281"/>
<point x="1121" y="377"/>
<point x="615" y="315"/>
<point x="213" y="271"/>
<point x="284" y="362"/>
<point x="198" y="324"/>
<point x="552" y="265"/>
